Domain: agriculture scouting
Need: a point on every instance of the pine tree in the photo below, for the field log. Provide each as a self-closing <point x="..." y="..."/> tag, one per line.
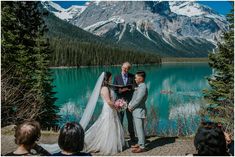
<point x="221" y="94"/>
<point x="25" y="59"/>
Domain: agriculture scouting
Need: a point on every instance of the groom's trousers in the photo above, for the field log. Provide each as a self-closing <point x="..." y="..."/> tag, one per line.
<point x="139" y="127"/>
<point x="130" y="122"/>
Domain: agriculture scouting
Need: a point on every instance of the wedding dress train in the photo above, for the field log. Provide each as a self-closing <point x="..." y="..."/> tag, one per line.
<point x="106" y="135"/>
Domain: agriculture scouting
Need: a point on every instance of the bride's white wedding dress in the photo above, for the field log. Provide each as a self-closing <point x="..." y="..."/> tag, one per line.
<point x="106" y="135"/>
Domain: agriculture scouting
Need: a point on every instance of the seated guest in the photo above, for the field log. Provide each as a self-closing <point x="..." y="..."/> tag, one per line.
<point x="71" y="140"/>
<point x="230" y="143"/>
<point x="26" y="135"/>
<point x="210" y="140"/>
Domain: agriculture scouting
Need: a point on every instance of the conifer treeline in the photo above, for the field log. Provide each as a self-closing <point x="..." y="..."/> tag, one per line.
<point x="26" y="81"/>
<point x="220" y="107"/>
<point x="76" y="53"/>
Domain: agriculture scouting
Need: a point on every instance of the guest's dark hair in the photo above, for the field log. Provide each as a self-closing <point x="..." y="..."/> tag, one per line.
<point x="210" y="140"/>
<point x="27" y="133"/>
<point x="107" y="75"/>
<point x="71" y="137"/>
<point x="141" y="73"/>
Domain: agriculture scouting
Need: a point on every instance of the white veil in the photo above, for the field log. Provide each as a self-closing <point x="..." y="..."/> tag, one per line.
<point x="90" y="107"/>
<point x="86" y="117"/>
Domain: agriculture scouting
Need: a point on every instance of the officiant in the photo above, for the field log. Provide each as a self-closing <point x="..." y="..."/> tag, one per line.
<point x="124" y="90"/>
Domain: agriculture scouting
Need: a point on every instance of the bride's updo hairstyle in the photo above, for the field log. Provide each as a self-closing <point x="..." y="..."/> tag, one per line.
<point x="107" y="75"/>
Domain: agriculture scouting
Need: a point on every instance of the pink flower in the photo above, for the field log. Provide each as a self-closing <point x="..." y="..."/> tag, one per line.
<point x="120" y="104"/>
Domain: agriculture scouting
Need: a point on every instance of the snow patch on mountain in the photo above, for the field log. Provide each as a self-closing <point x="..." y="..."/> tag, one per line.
<point x="62" y="13"/>
<point x="145" y="33"/>
<point x="121" y="34"/>
<point x="116" y="20"/>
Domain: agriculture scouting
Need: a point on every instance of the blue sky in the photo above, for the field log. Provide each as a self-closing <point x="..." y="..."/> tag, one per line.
<point x="222" y="7"/>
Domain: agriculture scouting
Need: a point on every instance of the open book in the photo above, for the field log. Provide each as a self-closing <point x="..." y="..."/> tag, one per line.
<point x="130" y="86"/>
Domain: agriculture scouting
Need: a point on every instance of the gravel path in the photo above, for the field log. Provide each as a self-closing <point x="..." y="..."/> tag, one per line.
<point x="157" y="146"/>
<point x="165" y="146"/>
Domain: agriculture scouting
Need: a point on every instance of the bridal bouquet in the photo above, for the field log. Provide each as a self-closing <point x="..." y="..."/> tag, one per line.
<point x="120" y="105"/>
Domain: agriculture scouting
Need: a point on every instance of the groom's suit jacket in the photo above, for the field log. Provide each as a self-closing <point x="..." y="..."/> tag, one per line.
<point x="138" y="100"/>
<point x="118" y="80"/>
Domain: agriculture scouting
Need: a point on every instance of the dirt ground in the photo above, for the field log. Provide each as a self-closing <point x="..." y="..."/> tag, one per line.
<point x="156" y="146"/>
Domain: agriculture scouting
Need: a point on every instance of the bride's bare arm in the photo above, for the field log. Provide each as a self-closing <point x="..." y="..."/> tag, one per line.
<point x="106" y="96"/>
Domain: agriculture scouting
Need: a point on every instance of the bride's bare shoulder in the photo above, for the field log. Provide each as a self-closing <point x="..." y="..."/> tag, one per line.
<point x="104" y="89"/>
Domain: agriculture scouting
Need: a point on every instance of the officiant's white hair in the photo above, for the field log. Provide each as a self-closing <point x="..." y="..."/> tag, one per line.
<point x="127" y="64"/>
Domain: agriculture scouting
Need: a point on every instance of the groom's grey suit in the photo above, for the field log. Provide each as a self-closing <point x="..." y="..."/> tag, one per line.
<point x="137" y="104"/>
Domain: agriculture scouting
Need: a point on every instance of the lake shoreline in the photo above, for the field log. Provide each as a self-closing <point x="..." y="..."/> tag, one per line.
<point x="184" y="60"/>
<point x="95" y="66"/>
<point x="119" y="65"/>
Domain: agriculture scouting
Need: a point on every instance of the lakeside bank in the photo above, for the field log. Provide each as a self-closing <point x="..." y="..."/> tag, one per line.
<point x="164" y="61"/>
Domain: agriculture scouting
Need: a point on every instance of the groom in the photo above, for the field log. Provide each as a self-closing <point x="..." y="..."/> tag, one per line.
<point x="138" y="109"/>
<point x="126" y="78"/>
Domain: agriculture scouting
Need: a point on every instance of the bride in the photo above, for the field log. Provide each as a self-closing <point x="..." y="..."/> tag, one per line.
<point x="106" y="135"/>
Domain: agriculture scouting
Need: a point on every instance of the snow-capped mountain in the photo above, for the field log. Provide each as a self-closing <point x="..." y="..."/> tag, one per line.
<point x="191" y="8"/>
<point x="168" y="28"/>
<point x="64" y="14"/>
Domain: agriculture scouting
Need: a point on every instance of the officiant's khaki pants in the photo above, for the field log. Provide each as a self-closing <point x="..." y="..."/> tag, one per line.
<point x="139" y="127"/>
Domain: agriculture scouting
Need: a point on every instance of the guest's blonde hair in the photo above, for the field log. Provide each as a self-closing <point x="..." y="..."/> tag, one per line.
<point x="27" y="133"/>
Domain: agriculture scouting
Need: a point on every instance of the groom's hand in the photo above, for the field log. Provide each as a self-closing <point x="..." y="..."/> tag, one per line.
<point x="130" y="109"/>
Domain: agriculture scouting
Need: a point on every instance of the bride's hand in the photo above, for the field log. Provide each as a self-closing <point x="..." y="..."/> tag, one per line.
<point x="111" y="104"/>
<point x="114" y="107"/>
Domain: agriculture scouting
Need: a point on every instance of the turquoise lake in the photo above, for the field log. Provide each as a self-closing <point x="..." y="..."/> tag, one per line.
<point x="175" y="94"/>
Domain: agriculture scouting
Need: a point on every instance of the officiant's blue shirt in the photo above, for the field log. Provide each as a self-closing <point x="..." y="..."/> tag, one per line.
<point x="125" y="78"/>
